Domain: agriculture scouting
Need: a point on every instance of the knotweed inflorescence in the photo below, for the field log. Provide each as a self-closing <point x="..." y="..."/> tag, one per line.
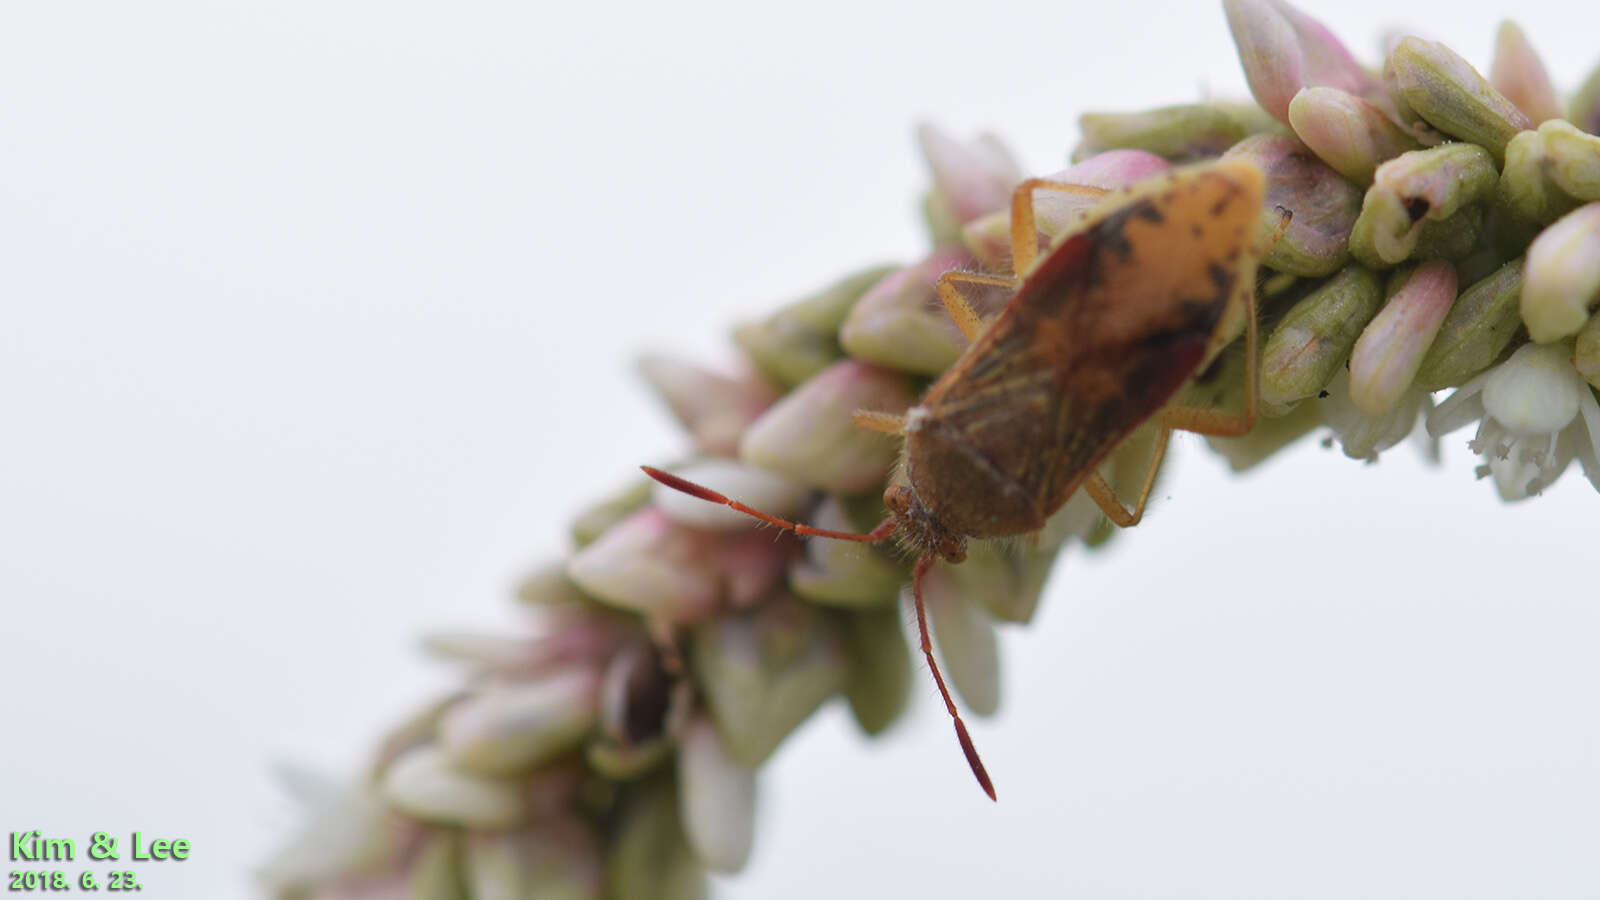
<point x="1444" y="233"/>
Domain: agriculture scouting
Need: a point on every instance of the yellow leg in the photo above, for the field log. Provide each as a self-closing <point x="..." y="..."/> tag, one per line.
<point x="961" y="311"/>
<point x="1024" y="228"/>
<point x="888" y="423"/>
<point x="1105" y="496"/>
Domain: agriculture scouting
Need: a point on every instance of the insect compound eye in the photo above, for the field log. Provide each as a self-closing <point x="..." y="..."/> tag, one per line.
<point x="897" y="498"/>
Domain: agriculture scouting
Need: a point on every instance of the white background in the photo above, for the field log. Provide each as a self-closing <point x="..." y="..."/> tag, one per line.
<point x="317" y="327"/>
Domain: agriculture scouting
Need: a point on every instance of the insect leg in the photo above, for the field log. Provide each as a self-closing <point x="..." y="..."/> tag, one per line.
<point x="961" y="311"/>
<point x="1105" y="496"/>
<point x="924" y="563"/>
<point x="872" y="420"/>
<point x="1214" y="421"/>
<point x="1024" y="228"/>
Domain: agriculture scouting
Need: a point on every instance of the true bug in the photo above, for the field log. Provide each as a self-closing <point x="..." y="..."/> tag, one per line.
<point x="1102" y="331"/>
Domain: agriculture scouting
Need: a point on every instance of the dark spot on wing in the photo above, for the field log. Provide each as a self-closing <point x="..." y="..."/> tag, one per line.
<point x="1149" y="213"/>
<point x="1222" y="279"/>
<point x="1195" y="230"/>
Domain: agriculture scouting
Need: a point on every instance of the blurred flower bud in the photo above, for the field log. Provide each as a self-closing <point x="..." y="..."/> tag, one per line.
<point x="1314" y="338"/>
<point x="1415" y="189"/>
<point x="552" y="859"/>
<point x="1518" y="74"/>
<point x="653" y="566"/>
<point x="1323" y="206"/>
<point x="425" y="784"/>
<point x="650" y="857"/>
<point x="512" y="727"/>
<point x="598" y="517"/>
<point x="1283" y="50"/>
<point x="802" y="339"/>
<point x="762" y="672"/>
<point x="713" y="408"/>
<point x="1390" y="350"/>
<point x="1586" y="351"/>
<point x="879" y="674"/>
<point x="901" y="322"/>
<point x="846" y="573"/>
<point x="1448" y="92"/>
<point x="970" y="177"/>
<point x="810" y="436"/>
<point x="966" y="639"/>
<point x="1563" y="276"/>
<point x="1476" y="331"/>
<point x="349" y="832"/>
<point x="717" y="799"/>
<point x="1349" y="133"/>
<point x="1176" y="133"/>
<point x="1583" y="110"/>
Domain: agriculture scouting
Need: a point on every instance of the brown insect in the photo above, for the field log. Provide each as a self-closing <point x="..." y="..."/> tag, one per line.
<point x="1102" y="331"/>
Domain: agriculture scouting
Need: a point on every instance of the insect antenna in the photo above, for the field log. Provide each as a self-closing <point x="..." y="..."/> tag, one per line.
<point x="884" y="529"/>
<point x="924" y="563"/>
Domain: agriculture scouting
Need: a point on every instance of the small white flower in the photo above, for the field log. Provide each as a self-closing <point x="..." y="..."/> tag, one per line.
<point x="1537" y="414"/>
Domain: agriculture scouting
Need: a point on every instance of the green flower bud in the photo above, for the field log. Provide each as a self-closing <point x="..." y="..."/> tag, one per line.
<point x="653" y="566"/>
<point x="970" y="178"/>
<point x="802" y="339"/>
<point x="845" y="573"/>
<point x="1586" y="351"/>
<point x="901" y="322"/>
<point x="1448" y="92"/>
<point x="510" y="728"/>
<point x="597" y="518"/>
<point x="764" y="671"/>
<point x="1387" y="355"/>
<point x="965" y="636"/>
<point x="650" y="855"/>
<point x="1323" y="206"/>
<point x="1177" y="133"/>
<point x="1518" y="74"/>
<point x="1563" y="276"/>
<point x="1549" y="172"/>
<point x="879" y="679"/>
<point x="1415" y="189"/>
<point x="350" y="831"/>
<point x="436" y="870"/>
<point x="1284" y="50"/>
<point x="810" y="436"/>
<point x="717" y="799"/>
<point x="1350" y="134"/>
<point x="1583" y="110"/>
<point x="713" y="408"/>
<point x="425" y="784"/>
<point x="1476" y="331"/>
<point x="1316" y="335"/>
<point x="552" y="859"/>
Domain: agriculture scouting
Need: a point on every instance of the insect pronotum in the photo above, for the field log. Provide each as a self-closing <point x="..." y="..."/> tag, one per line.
<point x="1103" y="329"/>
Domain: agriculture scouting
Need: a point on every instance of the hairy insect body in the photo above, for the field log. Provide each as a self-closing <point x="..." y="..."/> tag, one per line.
<point x="1100" y="335"/>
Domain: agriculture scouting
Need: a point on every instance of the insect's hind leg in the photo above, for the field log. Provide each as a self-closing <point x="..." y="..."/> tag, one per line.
<point x="966" y="318"/>
<point x="1024" y="225"/>
<point x="1105" y="496"/>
